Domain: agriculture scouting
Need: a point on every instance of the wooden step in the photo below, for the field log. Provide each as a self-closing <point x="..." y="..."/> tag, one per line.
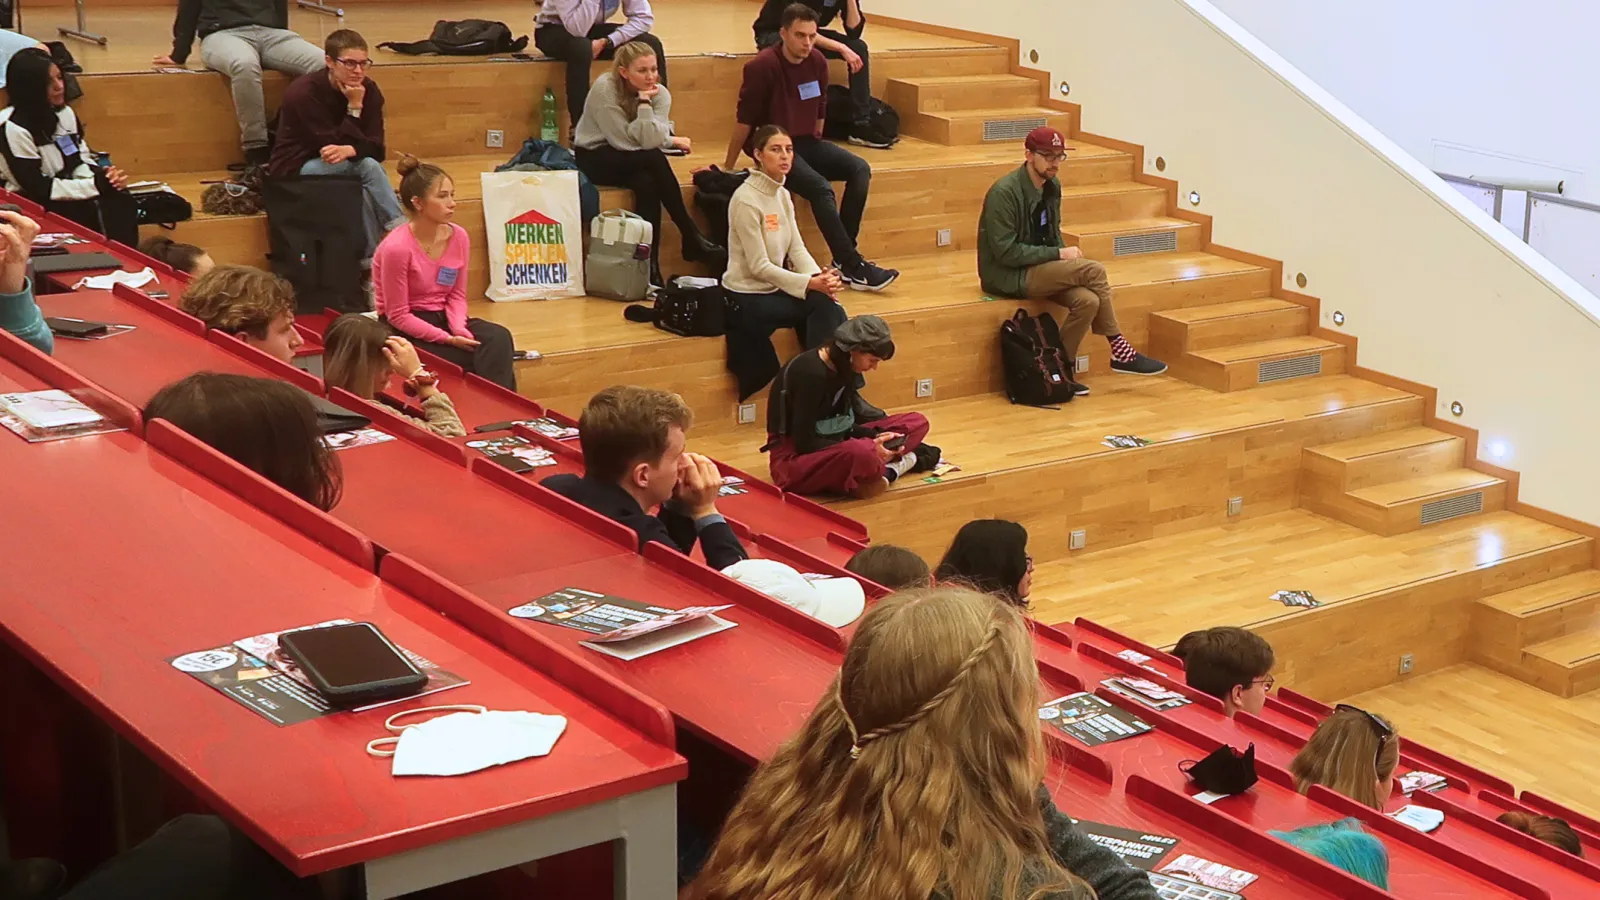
<point x="1132" y="237"/>
<point x="1376" y="459"/>
<point x="1124" y="200"/>
<point x="1401" y="505"/>
<point x="943" y="93"/>
<point x="1505" y="623"/>
<point x="1244" y="366"/>
<point x="1175" y="332"/>
<point x="1006" y="125"/>
<point x="1568" y="665"/>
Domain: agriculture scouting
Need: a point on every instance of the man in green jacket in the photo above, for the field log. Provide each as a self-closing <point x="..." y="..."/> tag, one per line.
<point x="1021" y="255"/>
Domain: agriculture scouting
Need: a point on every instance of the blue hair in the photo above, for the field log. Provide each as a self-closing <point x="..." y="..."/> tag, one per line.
<point x="1344" y="845"/>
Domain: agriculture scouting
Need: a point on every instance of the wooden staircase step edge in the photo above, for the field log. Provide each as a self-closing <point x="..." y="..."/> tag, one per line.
<point x="1580" y="649"/>
<point x="941" y="80"/>
<point x="1382" y="442"/>
<point x="1127" y="226"/>
<point x="1545" y="596"/>
<point x="1264" y="351"/>
<point x="1425" y="487"/>
<point x="1193" y="315"/>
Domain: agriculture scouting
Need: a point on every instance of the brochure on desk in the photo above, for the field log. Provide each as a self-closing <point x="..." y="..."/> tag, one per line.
<point x="1091" y="720"/>
<point x="626" y="629"/>
<point x="256" y="674"/>
<point x="1139" y="849"/>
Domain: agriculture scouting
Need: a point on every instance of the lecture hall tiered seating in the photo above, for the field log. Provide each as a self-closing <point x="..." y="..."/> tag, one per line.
<point x="131" y="548"/>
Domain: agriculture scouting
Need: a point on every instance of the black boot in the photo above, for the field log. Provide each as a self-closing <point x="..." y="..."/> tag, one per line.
<point x="696" y="248"/>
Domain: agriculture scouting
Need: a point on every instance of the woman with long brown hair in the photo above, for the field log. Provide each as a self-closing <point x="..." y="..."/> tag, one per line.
<point x="933" y="715"/>
<point x="1354" y="753"/>
<point x="360" y="355"/>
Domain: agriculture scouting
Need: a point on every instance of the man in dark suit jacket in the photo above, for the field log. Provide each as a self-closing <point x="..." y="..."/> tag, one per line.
<point x="634" y="461"/>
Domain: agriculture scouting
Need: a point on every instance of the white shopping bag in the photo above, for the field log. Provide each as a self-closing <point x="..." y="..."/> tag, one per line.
<point x="535" y="228"/>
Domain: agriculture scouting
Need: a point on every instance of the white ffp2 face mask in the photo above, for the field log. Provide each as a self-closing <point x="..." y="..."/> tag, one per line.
<point x="469" y="739"/>
<point x="107" y="282"/>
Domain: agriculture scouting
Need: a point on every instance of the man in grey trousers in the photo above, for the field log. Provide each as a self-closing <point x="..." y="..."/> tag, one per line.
<point x="239" y="38"/>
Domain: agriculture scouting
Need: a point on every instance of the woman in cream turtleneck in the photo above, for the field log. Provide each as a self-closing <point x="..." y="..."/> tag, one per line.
<point x="772" y="280"/>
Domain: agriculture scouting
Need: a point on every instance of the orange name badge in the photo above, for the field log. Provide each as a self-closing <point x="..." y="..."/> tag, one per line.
<point x="772" y="221"/>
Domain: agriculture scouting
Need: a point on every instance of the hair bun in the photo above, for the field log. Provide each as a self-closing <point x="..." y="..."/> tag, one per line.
<point x="407" y="164"/>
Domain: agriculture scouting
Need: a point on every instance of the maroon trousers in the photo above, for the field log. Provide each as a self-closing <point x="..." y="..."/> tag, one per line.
<point x="839" y="468"/>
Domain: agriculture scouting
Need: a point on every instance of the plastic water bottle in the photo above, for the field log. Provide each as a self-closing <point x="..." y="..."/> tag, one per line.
<point x="550" y="129"/>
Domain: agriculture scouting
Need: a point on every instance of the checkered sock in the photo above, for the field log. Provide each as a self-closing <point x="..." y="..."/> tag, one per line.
<point x="1121" y="350"/>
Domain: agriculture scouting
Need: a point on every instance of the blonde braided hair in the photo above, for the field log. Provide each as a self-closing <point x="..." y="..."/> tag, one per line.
<point x="859" y="741"/>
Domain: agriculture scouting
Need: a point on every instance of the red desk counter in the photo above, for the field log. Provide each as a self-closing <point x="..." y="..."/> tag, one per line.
<point x="103" y="611"/>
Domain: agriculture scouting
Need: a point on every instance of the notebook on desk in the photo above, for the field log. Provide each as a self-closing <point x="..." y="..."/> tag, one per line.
<point x="74" y="262"/>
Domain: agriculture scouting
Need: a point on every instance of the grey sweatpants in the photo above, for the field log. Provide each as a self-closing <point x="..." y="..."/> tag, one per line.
<point x="241" y="54"/>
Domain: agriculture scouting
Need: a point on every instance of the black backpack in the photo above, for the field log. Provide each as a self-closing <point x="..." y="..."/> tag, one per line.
<point x="840" y="116"/>
<point x="163" y="208"/>
<point x="713" y="190"/>
<point x="317" y="237"/>
<point x="466" y="37"/>
<point x="1037" y="370"/>
<point x="685" y="311"/>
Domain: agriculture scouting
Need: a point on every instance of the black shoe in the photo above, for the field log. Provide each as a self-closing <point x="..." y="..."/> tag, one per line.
<point x="31" y="879"/>
<point x="868" y="135"/>
<point x="928" y="457"/>
<point x="1139" y="365"/>
<point x="864" y="276"/>
<point x="697" y="248"/>
<point x="1079" y="389"/>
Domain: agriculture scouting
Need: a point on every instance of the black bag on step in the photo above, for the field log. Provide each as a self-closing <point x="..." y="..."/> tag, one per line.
<point x="1037" y="370"/>
<point x="713" y="190"/>
<point x="685" y="311"/>
<point x="466" y="37"/>
<point x="163" y="208"/>
<point x="840" y="116"/>
<point x="317" y="238"/>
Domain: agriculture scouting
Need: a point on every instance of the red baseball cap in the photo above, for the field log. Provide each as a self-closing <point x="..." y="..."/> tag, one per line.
<point x="1045" y="139"/>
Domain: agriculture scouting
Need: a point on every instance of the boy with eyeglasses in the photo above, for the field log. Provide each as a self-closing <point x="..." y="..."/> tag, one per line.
<point x="1232" y="664"/>
<point x="331" y="123"/>
<point x="239" y="38"/>
<point x="1021" y="255"/>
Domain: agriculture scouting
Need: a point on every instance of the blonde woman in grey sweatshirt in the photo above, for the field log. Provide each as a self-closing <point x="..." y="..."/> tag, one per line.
<point x="621" y="141"/>
<point x="772" y="280"/>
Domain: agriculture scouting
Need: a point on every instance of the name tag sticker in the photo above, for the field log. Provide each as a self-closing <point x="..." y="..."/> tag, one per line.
<point x="447" y="276"/>
<point x="810" y="90"/>
<point x="1044" y="219"/>
<point x="68" y="146"/>
<point x="772" y="221"/>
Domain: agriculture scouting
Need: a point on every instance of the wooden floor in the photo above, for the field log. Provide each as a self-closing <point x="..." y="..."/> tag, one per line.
<point x="686" y="28"/>
<point x="1539" y="741"/>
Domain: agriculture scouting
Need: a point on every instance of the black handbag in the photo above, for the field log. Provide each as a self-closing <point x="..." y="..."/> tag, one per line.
<point x="317" y="239"/>
<point x="163" y="208"/>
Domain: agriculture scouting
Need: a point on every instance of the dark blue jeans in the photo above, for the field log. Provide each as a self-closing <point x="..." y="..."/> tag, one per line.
<point x="818" y="163"/>
<point x="751" y="357"/>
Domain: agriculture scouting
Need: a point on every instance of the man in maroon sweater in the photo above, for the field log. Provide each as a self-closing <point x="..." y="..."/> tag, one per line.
<point x="787" y="85"/>
<point x="331" y="123"/>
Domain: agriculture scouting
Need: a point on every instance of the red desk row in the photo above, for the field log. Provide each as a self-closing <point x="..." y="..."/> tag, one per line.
<point x="93" y="599"/>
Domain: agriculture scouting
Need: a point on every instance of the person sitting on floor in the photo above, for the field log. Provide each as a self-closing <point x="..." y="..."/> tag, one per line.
<point x="626" y="126"/>
<point x="772" y="281"/>
<point x="576" y="31"/>
<point x="1343" y="845"/>
<point x="896" y="568"/>
<point x="248" y="303"/>
<point x="186" y="258"/>
<point x="990" y="555"/>
<point x="787" y="85"/>
<point x="1553" y="831"/>
<point x="1231" y="664"/>
<point x="919" y="773"/>
<point x="360" y="354"/>
<point x="269" y="427"/>
<point x="331" y="123"/>
<point x="1021" y="254"/>
<point x="1354" y="753"/>
<point x="19" y="312"/>
<point x="823" y="437"/>
<point x="419" y="280"/>
<point x="252" y="304"/>
<point x="634" y="461"/>
<point x="239" y="38"/>
<point x="846" y="45"/>
<point x="44" y="157"/>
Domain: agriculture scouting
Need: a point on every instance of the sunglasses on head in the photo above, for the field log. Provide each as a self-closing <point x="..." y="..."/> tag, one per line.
<point x="1382" y="729"/>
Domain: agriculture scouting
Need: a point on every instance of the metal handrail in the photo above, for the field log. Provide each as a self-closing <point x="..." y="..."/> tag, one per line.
<point x="1499" y="189"/>
<point x="1527" y="221"/>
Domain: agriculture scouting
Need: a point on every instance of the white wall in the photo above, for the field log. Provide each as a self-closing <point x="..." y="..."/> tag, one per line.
<point x="1491" y="86"/>
<point x="1435" y="290"/>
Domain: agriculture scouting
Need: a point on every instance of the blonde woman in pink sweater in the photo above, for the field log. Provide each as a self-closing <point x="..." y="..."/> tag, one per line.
<point x="419" y="279"/>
